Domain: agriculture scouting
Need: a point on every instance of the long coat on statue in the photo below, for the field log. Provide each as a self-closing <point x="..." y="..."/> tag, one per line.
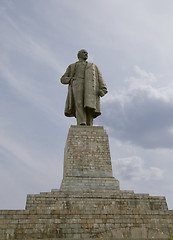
<point x="93" y="83"/>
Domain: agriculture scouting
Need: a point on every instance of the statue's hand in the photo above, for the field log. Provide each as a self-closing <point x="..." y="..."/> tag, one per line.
<point x="101" y="93"/>
<point x="72" y="79"/>
<point x="65" y="80"/>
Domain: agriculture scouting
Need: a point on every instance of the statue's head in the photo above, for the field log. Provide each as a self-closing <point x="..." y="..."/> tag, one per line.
<point x="82" y="54"/>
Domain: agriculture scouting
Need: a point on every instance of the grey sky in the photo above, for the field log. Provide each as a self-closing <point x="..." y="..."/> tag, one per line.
<point x="131" y="43"/>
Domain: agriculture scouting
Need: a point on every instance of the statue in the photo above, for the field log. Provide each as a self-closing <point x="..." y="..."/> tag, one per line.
<point x="85" y="87"/>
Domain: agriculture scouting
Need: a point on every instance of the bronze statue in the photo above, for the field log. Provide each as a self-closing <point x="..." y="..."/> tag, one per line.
<point x="85" y="87"/>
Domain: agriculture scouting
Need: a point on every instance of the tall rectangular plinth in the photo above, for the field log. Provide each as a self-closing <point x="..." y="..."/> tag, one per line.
<point x="87" y="161"/>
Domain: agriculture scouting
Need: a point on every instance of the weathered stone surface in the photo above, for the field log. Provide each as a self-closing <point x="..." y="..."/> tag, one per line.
<point x="85" y="87"/>
<point x="95" y="208"/>
<point x="87" y="161"/>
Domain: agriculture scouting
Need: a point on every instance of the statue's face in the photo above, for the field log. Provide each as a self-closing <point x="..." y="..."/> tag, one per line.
<point x="83" y="54"/>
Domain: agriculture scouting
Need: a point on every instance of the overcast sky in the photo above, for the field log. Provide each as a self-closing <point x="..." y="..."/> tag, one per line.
<point x="131" y="43"/>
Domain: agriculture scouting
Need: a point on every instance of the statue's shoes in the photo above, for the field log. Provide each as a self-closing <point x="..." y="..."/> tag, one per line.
<point x="83" y="124"/>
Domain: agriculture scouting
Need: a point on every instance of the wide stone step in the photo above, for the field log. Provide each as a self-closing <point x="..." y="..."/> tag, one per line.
<point x="109" y="238"/>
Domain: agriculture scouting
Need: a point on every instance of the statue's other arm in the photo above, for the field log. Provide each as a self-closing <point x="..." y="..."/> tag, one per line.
<point x="65" y="79"/>
<point x="102" y="84"/>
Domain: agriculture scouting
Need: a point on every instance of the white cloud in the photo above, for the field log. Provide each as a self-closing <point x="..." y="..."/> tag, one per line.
<point x="141" y="113"/>
<point x="142" y="80"/>
<point x="133" y="168"/>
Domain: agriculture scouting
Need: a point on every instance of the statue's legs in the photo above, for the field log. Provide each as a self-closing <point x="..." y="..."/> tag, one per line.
<point x="89" y="116"/>
<point x="84" y="116"/>
<point x="78" y="92"/>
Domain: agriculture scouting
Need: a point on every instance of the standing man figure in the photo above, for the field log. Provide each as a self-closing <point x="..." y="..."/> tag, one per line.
<point x="85" y="87"/>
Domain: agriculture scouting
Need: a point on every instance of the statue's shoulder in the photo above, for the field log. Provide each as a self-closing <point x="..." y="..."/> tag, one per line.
<point x="72" y="66"/>
<point x="90" y="64"/>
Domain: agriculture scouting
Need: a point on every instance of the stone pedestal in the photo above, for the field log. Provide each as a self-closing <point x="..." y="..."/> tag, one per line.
<point x="87" y="161"/>
<point x="89" y="204"/>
